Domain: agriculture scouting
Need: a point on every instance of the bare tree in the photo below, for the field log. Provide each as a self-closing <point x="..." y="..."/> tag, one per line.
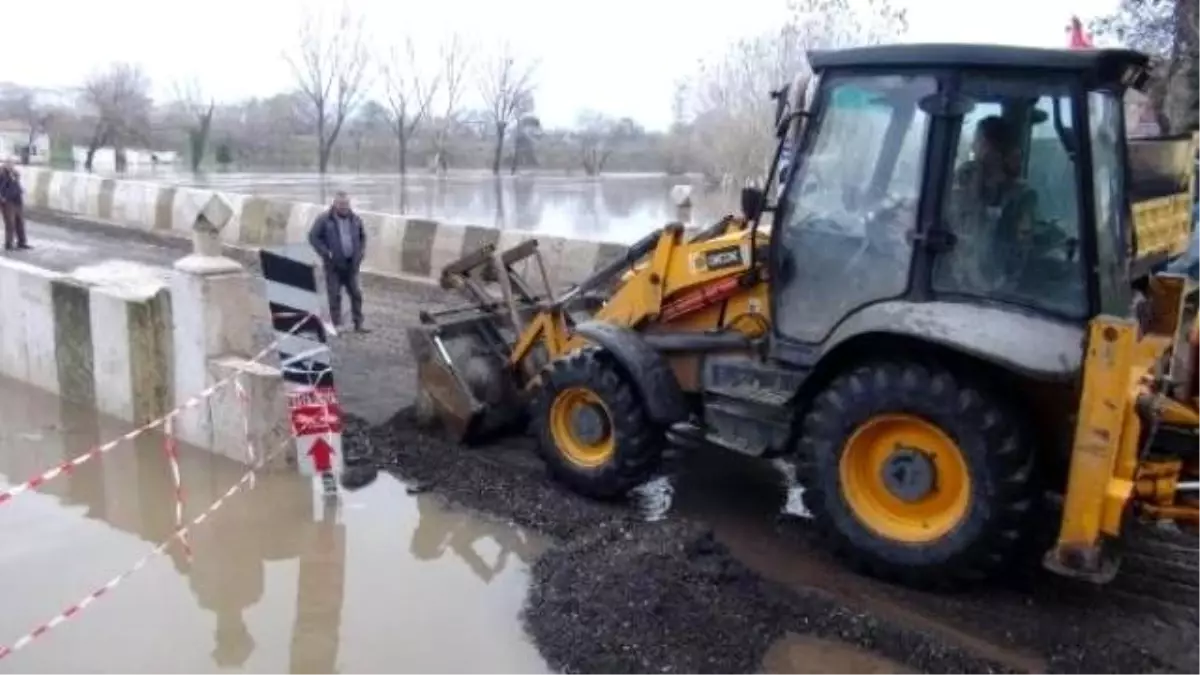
<point x="1167" y="30"/>
<point x="506" y="87"/>
<point x="118" y="98"/>
<point x="596" y="138"/>
<point x="23" y="105"/>
<point x="730" y="107"/>
<point x="455" y="59"/>
<point x="330" y="66"/>
<point x="199" y="109"/>
<point x="409" y="94"/>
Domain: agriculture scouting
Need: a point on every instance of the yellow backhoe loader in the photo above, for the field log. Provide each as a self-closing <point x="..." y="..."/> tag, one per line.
<point x="953" y="312"/>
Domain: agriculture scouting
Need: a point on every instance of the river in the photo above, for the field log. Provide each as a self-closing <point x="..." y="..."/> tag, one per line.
<point x="615" y="207"/>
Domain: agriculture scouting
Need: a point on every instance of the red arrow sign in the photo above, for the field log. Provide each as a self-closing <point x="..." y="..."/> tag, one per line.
<point x="321" y="452"/>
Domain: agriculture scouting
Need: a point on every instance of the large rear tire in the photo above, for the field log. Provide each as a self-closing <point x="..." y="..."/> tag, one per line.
<point x="593" y="430"/>
<point x="917" y="474"/>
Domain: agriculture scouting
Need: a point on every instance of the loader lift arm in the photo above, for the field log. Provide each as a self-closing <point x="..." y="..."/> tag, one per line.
<point x="504" y="339"/>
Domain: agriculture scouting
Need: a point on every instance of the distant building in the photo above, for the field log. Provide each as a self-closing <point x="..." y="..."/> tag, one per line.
<point x="14" y="143"/>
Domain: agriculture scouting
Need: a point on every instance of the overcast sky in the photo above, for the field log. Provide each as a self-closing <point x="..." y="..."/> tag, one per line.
<point x="620" y="57"/>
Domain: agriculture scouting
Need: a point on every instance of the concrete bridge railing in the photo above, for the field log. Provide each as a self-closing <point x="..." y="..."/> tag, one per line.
<point x="401" y="246"/>
<point x="139" y="342"/>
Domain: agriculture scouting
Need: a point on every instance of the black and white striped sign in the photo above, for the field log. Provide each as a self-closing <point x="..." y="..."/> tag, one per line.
<point x="305" y="362"/>
<point x="295" y="315"/>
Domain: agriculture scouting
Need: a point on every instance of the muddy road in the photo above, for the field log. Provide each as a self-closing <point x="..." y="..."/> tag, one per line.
<point x="713" y="568"/>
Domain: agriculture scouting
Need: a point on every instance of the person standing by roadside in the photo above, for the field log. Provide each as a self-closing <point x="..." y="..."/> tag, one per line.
<point x="340" y="240"/>
<point x="12" y="208"/>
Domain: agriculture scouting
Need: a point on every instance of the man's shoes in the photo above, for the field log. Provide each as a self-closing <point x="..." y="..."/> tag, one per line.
<point x="8" y="247"/>
<point x="359" y="328"/>
<point x="24" y="247"/>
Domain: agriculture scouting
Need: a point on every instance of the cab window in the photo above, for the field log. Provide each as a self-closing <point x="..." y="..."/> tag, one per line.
<point x="851" y="202"/>
<point x="1012" y="200"/>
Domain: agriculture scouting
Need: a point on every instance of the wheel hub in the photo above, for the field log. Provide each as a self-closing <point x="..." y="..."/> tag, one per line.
<point x="589" y="424"/>
<point x="908" y="474"/>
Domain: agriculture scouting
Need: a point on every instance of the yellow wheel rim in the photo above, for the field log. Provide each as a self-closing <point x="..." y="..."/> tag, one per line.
<point x="582" y="427"/>
<point x="905" y="479"/>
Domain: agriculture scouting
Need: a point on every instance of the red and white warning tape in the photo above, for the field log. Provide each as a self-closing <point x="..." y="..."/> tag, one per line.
<point x="71" y="464"/>
<point x="171" y="449"/>
<point x="180" y="533"/>
<point x="244" y="398"/>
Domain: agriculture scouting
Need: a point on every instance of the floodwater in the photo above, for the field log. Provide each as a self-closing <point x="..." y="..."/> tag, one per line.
<point x="615" y="207"/>
<point x="276" y="582"/>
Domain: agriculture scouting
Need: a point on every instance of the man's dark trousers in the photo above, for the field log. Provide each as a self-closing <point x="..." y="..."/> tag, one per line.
<point x="14" y="225"/>
<point x="336" y="278"/>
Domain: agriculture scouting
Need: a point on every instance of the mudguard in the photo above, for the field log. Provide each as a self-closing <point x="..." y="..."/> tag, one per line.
<point x="1035" y="346"/>
<point x="651" y="375"/>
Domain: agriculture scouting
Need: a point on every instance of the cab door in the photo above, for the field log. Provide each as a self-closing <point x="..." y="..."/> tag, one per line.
<point x="843" y="235"/>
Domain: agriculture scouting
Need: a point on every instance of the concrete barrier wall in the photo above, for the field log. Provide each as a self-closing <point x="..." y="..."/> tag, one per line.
<point x="398" y="245"/>
<point x="137" y="342"/>
<point x="104" y="346"/>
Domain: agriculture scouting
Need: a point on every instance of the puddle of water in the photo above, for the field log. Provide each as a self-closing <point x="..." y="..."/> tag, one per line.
<point x="807" y="654"/>
<point x="793" y="504"/>
<point x="653" y="498"/>
<point x="736" y="483"/>
<point x="277" y="581"/>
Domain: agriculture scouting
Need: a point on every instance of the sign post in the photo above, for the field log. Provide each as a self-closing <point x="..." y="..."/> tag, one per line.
<point x="305" y="362"/>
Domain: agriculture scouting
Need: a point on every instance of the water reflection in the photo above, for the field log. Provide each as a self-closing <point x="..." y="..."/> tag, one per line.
<point x="319" y="594"/>
<point x="439" y="530"/>
<point x="278" y="577"/>
<point x="618" y="207"/>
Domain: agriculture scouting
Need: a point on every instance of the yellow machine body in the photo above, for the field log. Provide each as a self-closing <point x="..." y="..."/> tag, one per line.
<point x="1124" y="448"/>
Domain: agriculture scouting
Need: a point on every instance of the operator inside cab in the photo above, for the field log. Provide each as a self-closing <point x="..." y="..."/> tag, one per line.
<point x="993" y="208"/>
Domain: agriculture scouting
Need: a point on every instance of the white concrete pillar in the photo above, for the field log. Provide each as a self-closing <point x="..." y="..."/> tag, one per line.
<point x="213" y="329"/>
<point x="681" y="196"/>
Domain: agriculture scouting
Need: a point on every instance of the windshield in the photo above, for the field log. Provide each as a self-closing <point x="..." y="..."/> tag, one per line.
<point x="1108" y="181"/>
<point x="851" y="201"/>
<point x="1012" y="199"/>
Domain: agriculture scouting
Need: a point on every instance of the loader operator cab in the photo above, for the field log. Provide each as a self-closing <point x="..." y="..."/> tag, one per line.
<point x="975" y="177"/>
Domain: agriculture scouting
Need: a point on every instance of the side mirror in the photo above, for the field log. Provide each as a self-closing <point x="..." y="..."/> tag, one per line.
<point x="754" y="202"/>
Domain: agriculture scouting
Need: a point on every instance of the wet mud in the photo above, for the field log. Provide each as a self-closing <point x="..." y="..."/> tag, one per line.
<point x="713" y="566"/>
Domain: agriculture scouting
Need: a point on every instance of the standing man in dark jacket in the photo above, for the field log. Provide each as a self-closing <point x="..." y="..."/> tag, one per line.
<point x="12" y="209"/>
<point x="340" y="241"/>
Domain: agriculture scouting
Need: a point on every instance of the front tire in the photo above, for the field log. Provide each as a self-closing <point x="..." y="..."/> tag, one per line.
<point x="917" y="474"/>
<point x="593" y="430"/>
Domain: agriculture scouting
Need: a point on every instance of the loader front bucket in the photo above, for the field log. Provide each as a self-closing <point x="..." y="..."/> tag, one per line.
<point x="464" y="376"/>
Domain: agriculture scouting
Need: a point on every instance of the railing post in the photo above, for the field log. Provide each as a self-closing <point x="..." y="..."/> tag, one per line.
<point x="681" y="196"/>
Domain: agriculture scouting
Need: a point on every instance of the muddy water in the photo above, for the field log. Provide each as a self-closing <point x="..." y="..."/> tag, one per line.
<point x="808" y="654"/>
<point x="277" y="581"/>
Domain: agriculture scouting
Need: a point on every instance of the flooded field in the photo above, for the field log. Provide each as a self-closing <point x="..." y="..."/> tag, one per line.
<point x="276" y="581"/>
<point x="616" y="207"/>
